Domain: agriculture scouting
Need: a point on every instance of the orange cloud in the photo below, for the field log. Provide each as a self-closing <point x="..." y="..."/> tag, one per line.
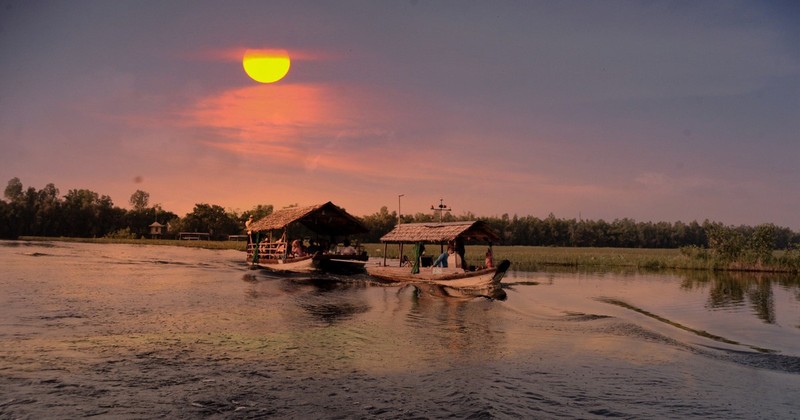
<point x="347" y="131"/>
<point x="301" y="125"/>
<point x="267" y="114"/>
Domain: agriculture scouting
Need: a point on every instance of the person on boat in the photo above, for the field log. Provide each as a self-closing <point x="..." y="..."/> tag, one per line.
<point x="454" y="260"/>
<point x="346" y="248"/>
<point x="298" y="250"/>
<point x="280" y="246"/>
<point x="489" y="258"/>
<point x="249" y="231"/>
<point x="460" y="250"/>
<point x="441" y="260"/>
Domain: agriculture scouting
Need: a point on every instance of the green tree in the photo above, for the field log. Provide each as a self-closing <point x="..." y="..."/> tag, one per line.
<point x="212" y="219"/>
<point x="47" y="219"/>
<point x="13" y="190"/>
<point x="378" y="224"/>
<point x="7" y="230"/>
<point x="88" y="214"/>
<point x="139" y="200"/>
<point x="761" y="244"/>
<point x="258" y="212"/>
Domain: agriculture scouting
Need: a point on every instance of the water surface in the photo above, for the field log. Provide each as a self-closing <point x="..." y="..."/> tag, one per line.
<point x="148" y="331"/>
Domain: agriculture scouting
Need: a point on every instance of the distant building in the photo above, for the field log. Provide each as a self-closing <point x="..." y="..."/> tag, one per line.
<point x="194" y="236"/>
<point x="156" y="230"/>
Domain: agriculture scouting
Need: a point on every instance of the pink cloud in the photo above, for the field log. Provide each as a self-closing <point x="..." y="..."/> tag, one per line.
<point x="307" y="126"/>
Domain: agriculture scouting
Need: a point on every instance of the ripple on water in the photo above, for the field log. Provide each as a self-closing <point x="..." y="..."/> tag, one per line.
<point x="184" y="334"/>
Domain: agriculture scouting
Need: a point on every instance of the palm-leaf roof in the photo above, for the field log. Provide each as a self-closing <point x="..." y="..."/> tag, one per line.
<point x="325" y="219"/>
<point x="441" y="232"/>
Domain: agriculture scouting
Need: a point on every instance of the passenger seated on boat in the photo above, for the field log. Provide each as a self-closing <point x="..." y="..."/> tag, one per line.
<point x="454" y="260"/>
<point x="280" y="246"/>
<point x="441" y="260"/>
<point x="346" y="248"/>
<point x="298" y="250"/>
<point x="269" y="249"/>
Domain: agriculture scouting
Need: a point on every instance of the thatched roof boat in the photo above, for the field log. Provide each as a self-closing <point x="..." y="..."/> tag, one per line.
<point x="437" y="233"/>
<point x="456" y="278"/>
<point x="325" y="219"/>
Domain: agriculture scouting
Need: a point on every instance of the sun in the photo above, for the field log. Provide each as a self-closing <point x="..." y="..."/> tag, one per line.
<point x="266" y="66"/>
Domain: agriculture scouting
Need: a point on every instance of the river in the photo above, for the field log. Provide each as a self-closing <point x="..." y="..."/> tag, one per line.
<point x="127" y="331"/>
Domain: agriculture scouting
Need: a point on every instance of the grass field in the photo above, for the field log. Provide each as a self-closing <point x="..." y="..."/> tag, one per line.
<point x="530" y="258"/>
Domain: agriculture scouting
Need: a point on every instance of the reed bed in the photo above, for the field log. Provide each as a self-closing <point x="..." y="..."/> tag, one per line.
<point x="532" y="258"/>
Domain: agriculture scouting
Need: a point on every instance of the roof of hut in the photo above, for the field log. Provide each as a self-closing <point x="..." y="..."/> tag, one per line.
<point x="441" y="232"/>
<point x="326" y="219"/>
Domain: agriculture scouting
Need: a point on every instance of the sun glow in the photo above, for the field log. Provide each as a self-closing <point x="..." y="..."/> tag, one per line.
<point x="266" y="66"/>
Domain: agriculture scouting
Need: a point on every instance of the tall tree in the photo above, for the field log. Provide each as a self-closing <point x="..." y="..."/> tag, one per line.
<point x="13" y="190"/>
<point x="139" y="200"/>
<point x="87" y="214"/>
<point x="378" y="224"/>
<point x="212" y="219"/>
<point x="258" y="212"/>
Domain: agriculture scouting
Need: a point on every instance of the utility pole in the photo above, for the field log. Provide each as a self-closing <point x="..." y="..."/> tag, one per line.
<point x="399" y="220"/>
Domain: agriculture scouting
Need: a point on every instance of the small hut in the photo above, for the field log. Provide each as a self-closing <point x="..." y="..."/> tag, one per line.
<point x="156" y="230"/>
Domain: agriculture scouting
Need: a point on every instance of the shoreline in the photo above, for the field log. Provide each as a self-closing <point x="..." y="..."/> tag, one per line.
<point x="524" y="258"/>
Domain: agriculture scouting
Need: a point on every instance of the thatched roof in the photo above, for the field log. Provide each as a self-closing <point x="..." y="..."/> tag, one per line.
<point x="325" y="219"/>
<point x="441" y="232"/>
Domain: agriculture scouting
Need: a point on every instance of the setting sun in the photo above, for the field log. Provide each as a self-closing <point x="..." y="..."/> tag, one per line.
<point x="266" y="66"/>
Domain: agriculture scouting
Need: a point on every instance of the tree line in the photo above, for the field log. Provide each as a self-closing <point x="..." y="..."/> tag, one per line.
<point x="85" y="213"/>
<point x="619" y="233"/>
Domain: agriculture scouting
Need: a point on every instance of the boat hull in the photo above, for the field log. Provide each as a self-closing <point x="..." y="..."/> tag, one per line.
<point x="289" y="265"/>
<point x="341" y="264"/>
<point x="328" y="263"/>
<point x="479" y="279"/>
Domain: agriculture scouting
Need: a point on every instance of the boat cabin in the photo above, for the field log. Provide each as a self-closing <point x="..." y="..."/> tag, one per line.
<point x="270" y="237"/>
<point x="466" y="232"/>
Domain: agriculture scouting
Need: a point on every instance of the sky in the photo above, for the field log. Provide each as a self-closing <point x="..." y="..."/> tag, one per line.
<point x="649" y="110"/>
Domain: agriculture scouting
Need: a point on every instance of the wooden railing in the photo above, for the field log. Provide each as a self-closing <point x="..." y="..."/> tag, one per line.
<point x="267" y="250"/>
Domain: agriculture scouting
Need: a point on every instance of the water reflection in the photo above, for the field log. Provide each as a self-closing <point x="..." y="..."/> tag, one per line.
<point x="326" y="299"/>
<point x="452" y="327"/>
<point x="330" y="300"/>
<point x="735" y="289"/>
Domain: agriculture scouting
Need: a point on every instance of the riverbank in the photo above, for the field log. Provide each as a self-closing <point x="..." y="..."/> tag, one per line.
<point x="525" y="258"/>
<point x="234" y="245"/>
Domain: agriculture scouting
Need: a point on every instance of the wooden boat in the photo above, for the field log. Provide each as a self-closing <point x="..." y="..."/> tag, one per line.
<point x="455" y="278"/>
<point x="267" y="250"/>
